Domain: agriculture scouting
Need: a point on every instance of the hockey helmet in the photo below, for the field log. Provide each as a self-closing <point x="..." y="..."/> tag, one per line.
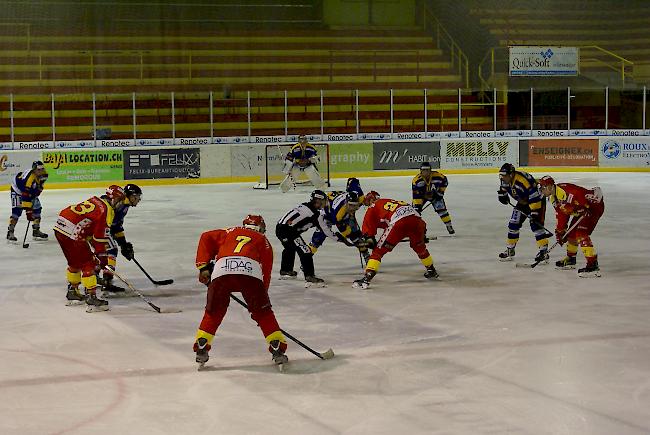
<point x="302" y="138"/>
<point x="38" y="165"/>
<point x="254" y="222"/>
<point x="370" y="198"/>
<point x="353" y="199"/>
<point x="115" y="193"/>
<point x="133" y="194"/>
<point x="546" y="180"/>
<point x="425" y="166"/>
<point x="507" y="169"/>
<point x="132" y="189"/>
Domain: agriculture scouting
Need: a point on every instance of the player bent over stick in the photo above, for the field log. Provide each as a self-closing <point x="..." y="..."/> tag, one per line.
<point x="79" y="227"/>
<point x="399" y="220"/>
<point x="237" y="259"/>
<point x="574" y="202"/>
<point x="523" y="188"/>
<point x="301" y="158"/>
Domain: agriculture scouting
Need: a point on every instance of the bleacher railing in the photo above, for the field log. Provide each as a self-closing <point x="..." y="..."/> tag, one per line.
<point x="400" y="114"/>
<point x="446" y="42"/>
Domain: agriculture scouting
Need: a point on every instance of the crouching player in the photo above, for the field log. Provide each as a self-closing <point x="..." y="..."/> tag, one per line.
<point x="572" y="202"/>
<point x="237" y="259"/>
<point x="399" y="220"/>
<point x="78" y="228"/>
<point x="302" y="157"/>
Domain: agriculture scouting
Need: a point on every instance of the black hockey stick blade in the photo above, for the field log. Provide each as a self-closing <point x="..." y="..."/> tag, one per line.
<point x="155" y="282"/>
<point x="26" y="245"/>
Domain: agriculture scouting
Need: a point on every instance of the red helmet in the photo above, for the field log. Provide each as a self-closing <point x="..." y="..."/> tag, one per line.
<point x="115" y="192"/>
<point x="546" y="180"/>
<point x="370" y="198"/>
<point x="254" y="222"/>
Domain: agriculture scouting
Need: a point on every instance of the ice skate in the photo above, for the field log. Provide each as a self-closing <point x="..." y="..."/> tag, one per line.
<point x="507" y="255"/>
<point x="74" y="296"/>
<point x="590" y="271"/>
<point x="450" y="230"/>
<point x="110" y="290"/>
<point x="284" y="274"/>
<point x="95" y="304"/>
<point x="201" y="347"/>
<point x="431" y="273"/>
<point x="362" y="283"/>
<point x="11" y="237"/>
<point x="279" y="358"/>
<point x="542" y="256"/>
<point x="314" y="281"/>
<point x="567" y="263"/>
<point x="37" y="234"/>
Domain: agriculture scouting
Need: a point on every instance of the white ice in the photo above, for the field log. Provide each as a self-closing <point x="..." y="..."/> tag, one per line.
<point x="488" y="349"/>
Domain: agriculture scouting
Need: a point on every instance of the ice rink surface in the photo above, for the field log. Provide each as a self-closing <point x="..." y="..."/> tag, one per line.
<point x="488" y="349"/>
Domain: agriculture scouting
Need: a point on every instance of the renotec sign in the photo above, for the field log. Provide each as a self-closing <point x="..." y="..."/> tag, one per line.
<point x="537" y="60"/>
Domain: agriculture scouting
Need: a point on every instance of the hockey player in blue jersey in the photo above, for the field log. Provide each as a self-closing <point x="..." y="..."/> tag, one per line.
<point x="531" y="205"/>
<point x="302" y="158"/>
<point x="133" y="195"/>
<point x="430" y="186"/>
<point x="25" y="190"/>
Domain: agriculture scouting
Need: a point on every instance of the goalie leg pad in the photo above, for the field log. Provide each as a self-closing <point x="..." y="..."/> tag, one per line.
<point x="314" y="177"/>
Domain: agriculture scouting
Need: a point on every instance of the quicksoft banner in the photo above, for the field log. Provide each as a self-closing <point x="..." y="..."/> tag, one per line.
<point x="533" y="60"/>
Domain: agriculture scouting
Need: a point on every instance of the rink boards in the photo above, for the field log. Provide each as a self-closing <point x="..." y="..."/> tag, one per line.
<point x="165" y="163"/>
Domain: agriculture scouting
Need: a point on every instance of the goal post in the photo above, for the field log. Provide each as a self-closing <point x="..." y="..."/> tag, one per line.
<point x="274" y="155"/>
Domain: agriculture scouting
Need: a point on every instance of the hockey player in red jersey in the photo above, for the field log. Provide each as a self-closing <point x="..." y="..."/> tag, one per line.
<point x="78" y="228"/>
<point x="237" y="259"/>
<point x="399" y="220"/>
<point x="572" y="202"/>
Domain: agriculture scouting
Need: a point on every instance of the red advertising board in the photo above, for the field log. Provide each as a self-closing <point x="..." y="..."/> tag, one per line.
<point x="562" y="152"/>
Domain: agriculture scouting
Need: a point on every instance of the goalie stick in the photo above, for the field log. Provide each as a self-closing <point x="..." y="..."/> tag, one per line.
<point x="328" y="354"/>
<point x="533" y="265"/>
<point x="155" y="282"/>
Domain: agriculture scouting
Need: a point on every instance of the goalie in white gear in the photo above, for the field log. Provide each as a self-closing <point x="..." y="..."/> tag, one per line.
<point x="301" y="158"/>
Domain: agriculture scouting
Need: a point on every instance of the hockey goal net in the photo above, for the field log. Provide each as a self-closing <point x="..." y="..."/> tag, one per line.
<point x="274" y="155"/>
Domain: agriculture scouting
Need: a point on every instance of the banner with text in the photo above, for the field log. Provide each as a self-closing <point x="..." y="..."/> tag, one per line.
<point x="351" y="157"/>
<point x="558" y="152"/>
<point x="625" y="152"/>
<point x="476" y="154"/>
<point x="533" y="60"/>
<point x="87" y="165"/>
<point x="12" y="163"/>
<point x="162" y="163"/>
<point x="405" y="155"/>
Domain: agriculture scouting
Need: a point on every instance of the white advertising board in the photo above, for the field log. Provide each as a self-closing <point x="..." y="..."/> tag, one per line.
<point x="478" y="153"/>
<point x="624" y="152"/>
<point x="535" y="60"/>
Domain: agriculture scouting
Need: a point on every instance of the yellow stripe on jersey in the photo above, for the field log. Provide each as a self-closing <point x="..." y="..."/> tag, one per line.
<point x="427" y="261"/>
<point x="373" y="265"/>
<point x="73" y="278"/>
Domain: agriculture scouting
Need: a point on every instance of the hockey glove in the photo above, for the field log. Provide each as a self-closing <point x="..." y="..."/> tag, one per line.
<point x="369" y="242"/>
<point x="503" y="197"/>
<point x="534" y="216"/>
<point x="205" y="273"/>
<point x="288" y="164"/>
<point x="127" y="250"/>
<point x="560" y="236"/>
<point x="29" y="214"/>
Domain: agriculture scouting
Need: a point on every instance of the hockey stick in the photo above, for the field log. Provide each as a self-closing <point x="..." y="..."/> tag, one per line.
<point x="162" y="282"/>
<point x="328" y="354"/>
<point x="532" y="265"/>
<point x="528" y="217"/>
<point x="26" y="245"/>
<point x="143" y="297"/>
